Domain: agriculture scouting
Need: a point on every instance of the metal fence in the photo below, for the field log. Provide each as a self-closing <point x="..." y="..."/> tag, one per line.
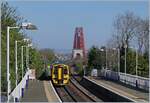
<point x="137" y="81"/>
<point x="133" y="80"/>
<point x="19" y="90"/>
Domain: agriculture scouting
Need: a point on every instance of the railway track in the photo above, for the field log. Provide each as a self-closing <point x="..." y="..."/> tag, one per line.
<point x="90" y="88"/>
<point x="74" y="93"/>
<point x="64" y="95"/>
<point x="85" y="91"/>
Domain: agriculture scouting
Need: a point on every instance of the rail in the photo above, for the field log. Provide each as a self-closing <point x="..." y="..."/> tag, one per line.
<point x="72" y="93"/>
<point x="84" y="91"/>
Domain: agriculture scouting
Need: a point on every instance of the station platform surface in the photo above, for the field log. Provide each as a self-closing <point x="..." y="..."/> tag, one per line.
<point x="39" y="91"/>
<point x="136" y="95"/>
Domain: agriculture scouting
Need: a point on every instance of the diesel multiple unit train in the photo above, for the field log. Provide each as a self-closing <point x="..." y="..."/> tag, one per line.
<point x="60" y="74"/>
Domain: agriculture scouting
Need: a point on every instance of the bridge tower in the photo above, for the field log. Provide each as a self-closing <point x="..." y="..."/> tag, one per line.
<point x="78" y="46"/>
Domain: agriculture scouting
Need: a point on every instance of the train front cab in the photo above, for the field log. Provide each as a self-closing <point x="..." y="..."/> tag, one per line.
<point x="60" y="74"/>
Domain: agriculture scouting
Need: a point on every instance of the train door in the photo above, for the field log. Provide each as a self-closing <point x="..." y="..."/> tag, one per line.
<point x="66" y="74"/>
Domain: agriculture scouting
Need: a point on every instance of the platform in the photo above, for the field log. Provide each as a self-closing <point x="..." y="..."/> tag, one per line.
<point x="135" y="95"/>
<point x="51" y="94"/>
<point x="39" y="91"/>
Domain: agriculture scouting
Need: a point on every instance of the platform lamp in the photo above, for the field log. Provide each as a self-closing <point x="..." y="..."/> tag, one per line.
<point x="16" y="59"/>
<point x="27" y="26"/>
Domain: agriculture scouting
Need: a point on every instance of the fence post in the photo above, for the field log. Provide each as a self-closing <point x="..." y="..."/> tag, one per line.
<point x="22" y="91"/>
<point x="118" y="76"/>
<point x="16" y="99"/>
<point x="26" y="83"/>
<point x="136" y="83"/>
<point x="105" y="74"/>
<point x="28" y="77"/>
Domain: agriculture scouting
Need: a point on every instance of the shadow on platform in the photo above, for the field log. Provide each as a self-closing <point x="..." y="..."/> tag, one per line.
<point x="44" y="77"/>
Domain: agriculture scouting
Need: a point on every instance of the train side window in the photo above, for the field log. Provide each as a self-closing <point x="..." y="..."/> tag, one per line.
<point x="65" y="71"/>
<point x="56" y="70"/>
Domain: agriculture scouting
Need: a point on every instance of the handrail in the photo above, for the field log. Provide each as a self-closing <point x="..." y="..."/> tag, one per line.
<point x="18" y="91"/>
<point x="134" y="76"/>
<point x="138" y="81"/>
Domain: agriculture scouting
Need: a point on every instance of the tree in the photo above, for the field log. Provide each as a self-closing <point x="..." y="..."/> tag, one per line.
<point x="9" y="17"/>
<point x="130" y="29"/>
<point x="94" y="58"/>
<point x="142" y="35"/>
<point x="125" y="26"/>
<point x="36" y="62"/>
<point x="48" y="55"/>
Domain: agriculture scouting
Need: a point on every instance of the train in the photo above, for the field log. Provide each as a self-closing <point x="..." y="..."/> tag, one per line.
<point x="60" y="74"/>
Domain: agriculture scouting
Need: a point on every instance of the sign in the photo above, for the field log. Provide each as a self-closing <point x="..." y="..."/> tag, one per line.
<point x="32" y="74"/>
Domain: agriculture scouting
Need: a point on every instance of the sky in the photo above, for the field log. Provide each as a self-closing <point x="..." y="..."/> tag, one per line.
<point x="57" y="20"/>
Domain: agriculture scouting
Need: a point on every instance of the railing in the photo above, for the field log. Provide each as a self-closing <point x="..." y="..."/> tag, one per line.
<point x="137" y="81"/>
<point x="133" y="80"/>
<point x="19" y="90"/>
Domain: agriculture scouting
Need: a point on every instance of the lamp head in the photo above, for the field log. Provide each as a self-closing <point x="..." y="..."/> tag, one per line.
<point x="125" y="46"/>
<point x="28" y="26"/>
<point x="30" y="45"/>
<point x="101" y="49"/>
<point x="26" y="39"/>
<point x="114" y="48"/>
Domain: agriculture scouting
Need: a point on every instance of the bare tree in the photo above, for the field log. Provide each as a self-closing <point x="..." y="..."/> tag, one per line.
<point x="125" y="26"/>
<point x="130" y="29"/>
<point x="142" y="35"/>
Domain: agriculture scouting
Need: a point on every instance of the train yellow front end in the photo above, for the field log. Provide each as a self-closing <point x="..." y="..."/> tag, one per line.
<point x="60" y="74"/>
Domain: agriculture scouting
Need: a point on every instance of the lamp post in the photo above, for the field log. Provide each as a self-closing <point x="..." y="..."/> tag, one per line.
<point x="106" y="58"/>
<point x="101" y="49"/>
<point x="25" y="26"/>
<point x="136" y="62"/>
<point x="136" y="68"/>
<point x="118" y="61"/>
<point x="16" y="59"/>
<point x="27" y="55"/>
<point x="27" y="58"/>
<point x="136" y="65"/>
<point x="22" y="61"/>
<point x="125" y="67"/>
<point x="8" y="74"/>
<point x="105" y="64"/>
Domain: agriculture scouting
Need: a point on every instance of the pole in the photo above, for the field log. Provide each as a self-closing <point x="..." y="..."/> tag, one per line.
<point x="125" y="62"/>
<point x="118" y="60"/>
<point x="16" y="63"/>
<point x="0" y="52"/>
<point x="8" y="81"/>
<point x="136" y="68"/>
<point x="8" y="59"/>
<point x="136" y="62"/>
<point x="106" y="58"/>
<point x="22" y="60"/>
<point x="26" y="57"/>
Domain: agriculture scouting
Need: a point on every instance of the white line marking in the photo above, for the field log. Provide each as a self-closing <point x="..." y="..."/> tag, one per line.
<point x="55" y="92"/>
<point x="114" y="91"/>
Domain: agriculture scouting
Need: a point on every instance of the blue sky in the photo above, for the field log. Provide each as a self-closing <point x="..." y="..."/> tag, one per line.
<point x="56" y="21"/>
